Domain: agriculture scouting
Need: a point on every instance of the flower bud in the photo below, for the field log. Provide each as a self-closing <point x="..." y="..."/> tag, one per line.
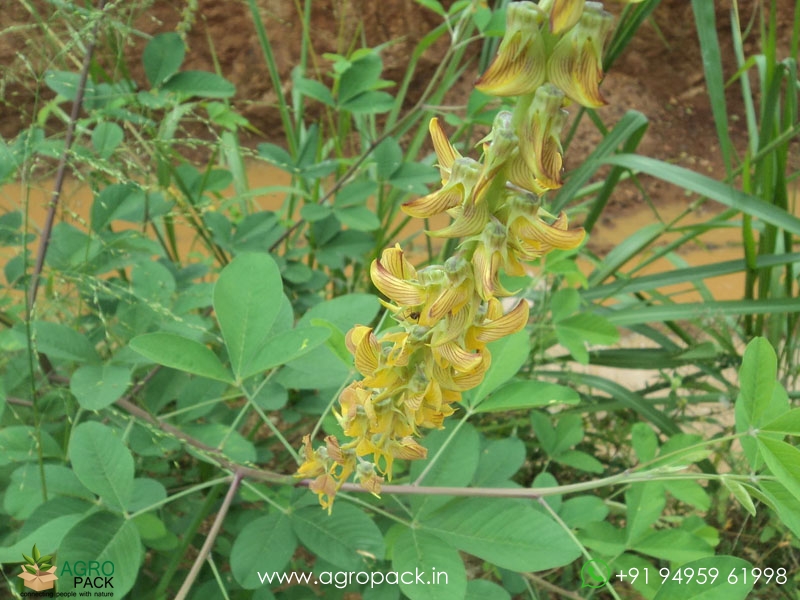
<point x="575" y="64"/>
<point x="539" y="138"/>
<point x="519" y="67"/>
<point x="563" y="13"/>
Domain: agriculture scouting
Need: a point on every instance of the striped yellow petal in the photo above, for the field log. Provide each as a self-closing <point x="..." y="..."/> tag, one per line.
<point x="519" y="67"/>
<point x="470" y="219"/>
<point x="512" y="322"/>
<point x="401" y="291"/>
<point x="538" y="233"/>
<point x="461" y="360"/>
<point x="448" y="197"/>
<point x="445" y="151"/>
<point x="564" y="14"/>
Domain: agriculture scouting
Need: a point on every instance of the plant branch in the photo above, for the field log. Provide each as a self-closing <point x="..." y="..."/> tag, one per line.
<point x="47" y="232"/>
<point x="210" y="539"/>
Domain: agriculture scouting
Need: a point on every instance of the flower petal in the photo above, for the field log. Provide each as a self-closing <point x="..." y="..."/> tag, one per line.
<point x="445" y="151"/>
<point x="448" y="197"/>
<point x="401" y="291"/>
<point x="512" y="322"/>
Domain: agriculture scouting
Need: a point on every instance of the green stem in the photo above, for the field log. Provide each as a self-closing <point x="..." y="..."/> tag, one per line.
<point x="568" y="530"/>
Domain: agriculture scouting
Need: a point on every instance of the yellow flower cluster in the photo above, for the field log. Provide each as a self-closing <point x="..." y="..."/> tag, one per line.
<point x="414" y="374"/>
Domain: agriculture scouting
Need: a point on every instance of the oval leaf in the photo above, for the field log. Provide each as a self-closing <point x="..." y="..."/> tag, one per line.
<point x="263" y="547"/>
<point x="440" y="568"/>
<point x="102" y="463"/>
<point x="98" y="387"/>
<point x="247" y="299"/>
<point x="102" y="537"/>
<point x="177" y="352"/>
<point x="344" y="538"/>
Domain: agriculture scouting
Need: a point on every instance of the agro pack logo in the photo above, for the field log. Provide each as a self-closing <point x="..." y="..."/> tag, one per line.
<point x="90" y="575"/>
<point x="38" y="572"/>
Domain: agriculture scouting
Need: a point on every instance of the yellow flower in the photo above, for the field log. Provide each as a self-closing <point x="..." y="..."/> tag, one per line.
<point x="393" y="275"/>
<point x="539" y="138"/>
<point x="575" y="64"/>
<point x="493" y="324"/>
<point x="325" y="487"/>
<point x="532" y="237"/>
<point x="519" y="67"/>
<point x="563" y="13"/>
<point x="464" y="175"/>
<point x="445" y="151"/>
<point x="368" y="478"/>
<point x="492" y="253"/>
<point x="314" y="464"/>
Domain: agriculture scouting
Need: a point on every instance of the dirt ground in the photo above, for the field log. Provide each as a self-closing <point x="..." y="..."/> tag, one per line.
<point x="660" y="74"/>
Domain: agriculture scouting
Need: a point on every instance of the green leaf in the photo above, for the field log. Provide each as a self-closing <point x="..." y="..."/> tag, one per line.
<point x="313" y="89"/>
<point x="177" y="352"/>
<point x="24" y="492"/>
<point x="146" y="492"/>
<point x="49" y="535"/>
<point x="124" y="201"/>
<point x="106" y="137"/>
<point x="689" y="492"/>
<point x="416" y="551"/>
<point x="508" y="356"/>
<point x="98" y="387"/>
<point x="740" y="493"/>
<point x="506" y="532"/>
<point x="388" y="156"/>
<point x="199" y="83"/>
<point x="162" y="57"/>
<point x="455" y="461"/>
<point x="336" y="341"/>
<point x="247" y="300"/>
<point x="413" y="177"/>
<point x="285" y="347"/>
<point x="710" y="588"/>
<point x="580" y="460"/>
<point x="576" y="331"/>
<point x="499" y="461"/>
<point x="483" y="589"/>
<point x="783" y="503"/>
<point x="784" y="461"/>
<point x="645" y="502"/>
<point x="716" y="190"/>
<point x="103" y="537"/>
<point x="264" y="546"/>
<point x="345" y="538"/>
<point x="675" y="545"/>
<point x="523" y="395"/>
<point x="362" y="75"/>
<point x="102" y="463"/>
<point x="18" y="443"/>
<point x="579" y="511"/>
<point x="359" y="218"/>
<point x="61" y="341"/>
<point x="757" y="379"/>
<point x="150" y="527"/>
<point x="788" y="423"/>
<point x="644" y="441"/>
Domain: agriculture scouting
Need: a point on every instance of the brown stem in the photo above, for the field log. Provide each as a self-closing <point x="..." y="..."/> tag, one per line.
<point x="210" y="539"/>
<point x="44" y="241"/>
